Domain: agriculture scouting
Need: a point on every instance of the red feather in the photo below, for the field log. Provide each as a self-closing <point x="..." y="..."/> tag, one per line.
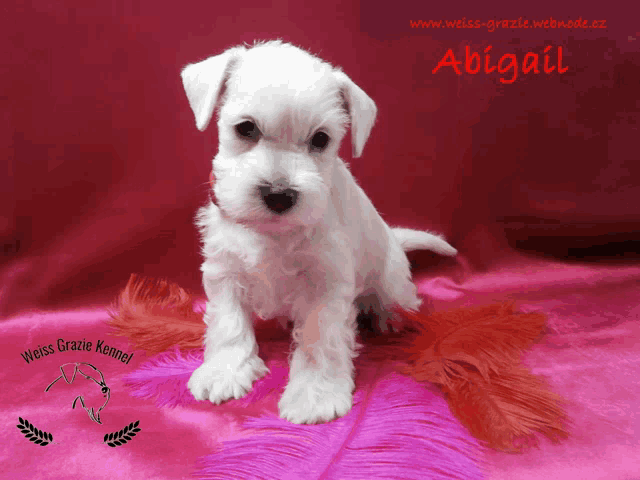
<point x="474" y="355"/>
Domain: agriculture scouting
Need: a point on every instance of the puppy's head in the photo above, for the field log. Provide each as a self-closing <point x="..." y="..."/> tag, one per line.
<point x="282" y="116"/>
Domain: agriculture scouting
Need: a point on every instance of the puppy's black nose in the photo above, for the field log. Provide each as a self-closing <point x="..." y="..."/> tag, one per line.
<point x="278" y="200"/>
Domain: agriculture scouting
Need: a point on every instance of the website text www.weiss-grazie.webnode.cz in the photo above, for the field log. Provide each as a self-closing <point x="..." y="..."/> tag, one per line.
<point x="508" y="65"/>
<point x="512" y="24"/>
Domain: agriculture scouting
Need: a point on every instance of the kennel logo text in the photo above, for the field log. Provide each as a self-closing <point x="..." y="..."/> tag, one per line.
<point x="62" y="345"/>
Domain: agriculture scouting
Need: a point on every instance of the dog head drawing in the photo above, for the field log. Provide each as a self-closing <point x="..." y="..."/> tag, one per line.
<point x="282" y="116"/>
<point x="89" y="372"/>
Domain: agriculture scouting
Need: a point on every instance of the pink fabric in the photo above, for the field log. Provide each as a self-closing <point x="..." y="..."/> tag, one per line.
<point x="590" y="355"/>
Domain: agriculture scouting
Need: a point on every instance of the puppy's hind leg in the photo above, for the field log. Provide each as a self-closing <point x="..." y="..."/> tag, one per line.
<point x="231" y="363"/>
<point x="395" y="287"/>
<point x="375" y="311"/>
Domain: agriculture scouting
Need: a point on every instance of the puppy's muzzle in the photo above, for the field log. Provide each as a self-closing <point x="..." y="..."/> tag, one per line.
<point x="277" y="198"/>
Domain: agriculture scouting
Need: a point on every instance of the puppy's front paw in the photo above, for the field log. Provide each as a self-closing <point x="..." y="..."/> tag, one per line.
<point x="315" y="400"/>
<point x="218" y="380"/>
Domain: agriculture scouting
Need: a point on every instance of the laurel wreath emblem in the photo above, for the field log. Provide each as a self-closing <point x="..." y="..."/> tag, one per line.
<point x="39" y="437"/>
<point x="115" y="439"/>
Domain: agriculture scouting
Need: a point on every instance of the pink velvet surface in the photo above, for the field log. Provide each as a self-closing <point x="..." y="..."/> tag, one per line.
<point x="589" y="354"/>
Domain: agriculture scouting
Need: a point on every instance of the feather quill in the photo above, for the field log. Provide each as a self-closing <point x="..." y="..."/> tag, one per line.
<point x="396" y="429"/>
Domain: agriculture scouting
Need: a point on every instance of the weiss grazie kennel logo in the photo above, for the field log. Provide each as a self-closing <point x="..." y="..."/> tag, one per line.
<point x="76" y="346"/>
<point x="92" y="381"/>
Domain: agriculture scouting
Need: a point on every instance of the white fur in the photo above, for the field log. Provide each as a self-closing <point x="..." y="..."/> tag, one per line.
<point x="317" y="263"/>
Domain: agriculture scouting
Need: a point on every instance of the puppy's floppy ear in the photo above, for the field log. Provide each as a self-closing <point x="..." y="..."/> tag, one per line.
<point x="362" y="111"/>
<point x="203" y="83"/>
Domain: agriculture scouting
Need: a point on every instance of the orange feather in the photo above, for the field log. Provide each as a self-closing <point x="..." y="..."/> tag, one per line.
<point x="156" y="315"/>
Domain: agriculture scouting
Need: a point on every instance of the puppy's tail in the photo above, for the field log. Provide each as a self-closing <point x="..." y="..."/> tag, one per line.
<point x="419" y="240"/>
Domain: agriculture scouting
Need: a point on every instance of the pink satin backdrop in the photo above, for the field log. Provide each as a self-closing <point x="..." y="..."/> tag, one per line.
<point x="105" y="170"/>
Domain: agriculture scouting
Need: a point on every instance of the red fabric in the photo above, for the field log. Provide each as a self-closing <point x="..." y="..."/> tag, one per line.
<point x="105" y="169"/>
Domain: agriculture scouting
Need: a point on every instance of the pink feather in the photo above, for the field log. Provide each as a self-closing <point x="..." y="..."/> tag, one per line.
<point x="164" y="378"/>
<point x="397" y="429"/>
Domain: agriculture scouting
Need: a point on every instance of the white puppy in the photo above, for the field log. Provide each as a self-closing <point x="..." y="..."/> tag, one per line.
<point x="290" y="232"/>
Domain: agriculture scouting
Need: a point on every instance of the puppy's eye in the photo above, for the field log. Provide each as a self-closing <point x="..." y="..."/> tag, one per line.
<point x="319" y="142"/>
<point x="248" y="130"/>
